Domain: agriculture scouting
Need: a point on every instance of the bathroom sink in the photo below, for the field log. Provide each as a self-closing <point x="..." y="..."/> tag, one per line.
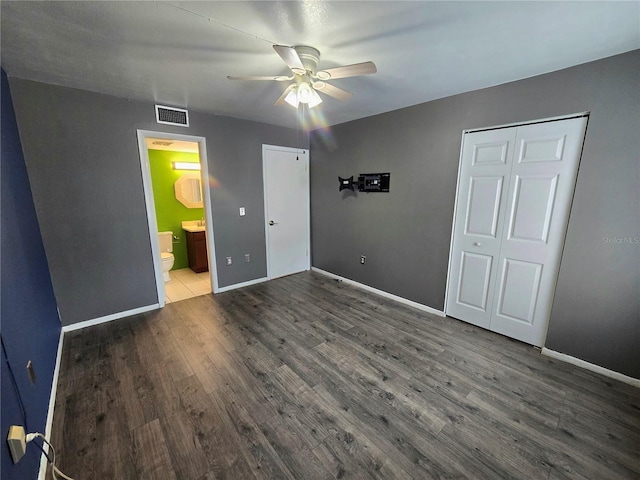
<point x="193" y="226"/>
<point x="194" y="229"/>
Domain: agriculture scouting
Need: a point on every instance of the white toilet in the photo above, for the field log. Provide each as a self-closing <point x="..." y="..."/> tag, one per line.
<point x="166" y="247"/>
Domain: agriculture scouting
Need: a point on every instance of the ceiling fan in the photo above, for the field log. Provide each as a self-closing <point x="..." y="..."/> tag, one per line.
<point x="307" y="80"/>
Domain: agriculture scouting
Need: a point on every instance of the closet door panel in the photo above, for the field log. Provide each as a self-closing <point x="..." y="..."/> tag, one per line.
<point x="481" y="202"/>
<point x="540" y="191"/>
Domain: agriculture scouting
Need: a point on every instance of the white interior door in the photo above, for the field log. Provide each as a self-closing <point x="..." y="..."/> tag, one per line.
<point x="543" y="175"/>
<point x="484" y="176"/>
<point x="505" y="282"/>
<point x="286" y="187"/>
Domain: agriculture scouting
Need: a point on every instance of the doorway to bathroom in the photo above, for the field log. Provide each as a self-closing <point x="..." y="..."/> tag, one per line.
<point x="178" y="200"/>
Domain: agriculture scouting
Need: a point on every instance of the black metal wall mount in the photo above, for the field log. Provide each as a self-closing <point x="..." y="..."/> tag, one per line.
<point x="366" y="182"/>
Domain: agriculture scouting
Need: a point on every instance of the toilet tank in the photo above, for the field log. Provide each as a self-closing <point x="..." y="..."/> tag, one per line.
<point x="166" y="241"/>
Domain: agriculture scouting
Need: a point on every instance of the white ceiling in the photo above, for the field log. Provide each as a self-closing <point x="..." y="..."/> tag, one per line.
<point x="179" y="53"/>
<point x="172" y="145"/>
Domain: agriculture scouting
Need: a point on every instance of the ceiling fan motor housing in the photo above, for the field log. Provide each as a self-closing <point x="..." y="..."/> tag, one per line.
<point x="309" y="57"/>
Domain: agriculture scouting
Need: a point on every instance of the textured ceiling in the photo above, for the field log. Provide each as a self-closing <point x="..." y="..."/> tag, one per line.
<point x="179" y="53"/>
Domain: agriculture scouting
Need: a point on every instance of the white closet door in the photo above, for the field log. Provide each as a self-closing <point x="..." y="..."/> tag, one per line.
<point x="543" y="176"/>
<point x="484" y="177"/>
<point x="510" y="225"/>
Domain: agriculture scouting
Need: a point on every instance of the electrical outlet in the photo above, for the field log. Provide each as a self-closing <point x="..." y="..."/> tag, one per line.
<point x="17" y="442"/>
<point x="229" y="261"/>
<point x="31" y="372"/>
<point x="247" y="257"/>
<point x="363" y="259"/>
<point x="242" y="211"/>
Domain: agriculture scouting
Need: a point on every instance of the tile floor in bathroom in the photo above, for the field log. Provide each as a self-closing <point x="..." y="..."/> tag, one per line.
<point x="185" y="283"/>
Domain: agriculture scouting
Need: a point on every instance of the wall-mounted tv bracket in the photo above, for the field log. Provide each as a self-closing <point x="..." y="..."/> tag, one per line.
<point x="367" y="182"/>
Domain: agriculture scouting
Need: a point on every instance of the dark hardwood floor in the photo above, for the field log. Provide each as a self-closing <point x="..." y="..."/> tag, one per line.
<point x="307" y="378"/>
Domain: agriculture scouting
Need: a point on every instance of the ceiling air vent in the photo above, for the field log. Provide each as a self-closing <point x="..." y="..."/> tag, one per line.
<point x="172" y="116"/>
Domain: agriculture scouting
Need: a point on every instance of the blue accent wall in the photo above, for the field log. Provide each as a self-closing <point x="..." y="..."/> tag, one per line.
<point x="29" y="322"/>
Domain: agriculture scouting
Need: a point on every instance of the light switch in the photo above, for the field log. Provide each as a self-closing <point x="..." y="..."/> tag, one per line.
<point x="242" y="211"/>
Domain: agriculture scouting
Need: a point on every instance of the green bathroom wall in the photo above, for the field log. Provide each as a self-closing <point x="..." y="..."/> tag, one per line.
<point x="170" y="213"/>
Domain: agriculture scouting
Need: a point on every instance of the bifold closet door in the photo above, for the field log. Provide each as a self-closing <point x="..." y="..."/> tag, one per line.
<point x="504" y="278"/>
<point x="484" y="176"/>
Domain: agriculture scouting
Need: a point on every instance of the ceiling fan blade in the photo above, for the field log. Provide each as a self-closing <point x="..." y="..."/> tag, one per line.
<point x="354" y="70"/>
<point x="280" y="100"/>
<point x="332" y="91"/>
<point x="291" y="58"/>
<point x="279" y="78"/>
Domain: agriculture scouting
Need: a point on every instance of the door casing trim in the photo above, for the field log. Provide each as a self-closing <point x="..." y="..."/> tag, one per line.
<point x="151" y="209"/>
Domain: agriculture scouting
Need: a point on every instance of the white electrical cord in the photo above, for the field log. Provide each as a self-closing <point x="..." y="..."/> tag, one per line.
<point x="54" y="470"/>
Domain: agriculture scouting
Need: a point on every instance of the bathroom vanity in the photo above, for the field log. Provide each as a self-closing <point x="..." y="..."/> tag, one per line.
<point x="196" y="246"/>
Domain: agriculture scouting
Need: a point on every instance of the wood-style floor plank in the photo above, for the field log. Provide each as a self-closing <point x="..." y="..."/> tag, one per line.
<point x="305" y="377"/>
<point x="151" y="454"/>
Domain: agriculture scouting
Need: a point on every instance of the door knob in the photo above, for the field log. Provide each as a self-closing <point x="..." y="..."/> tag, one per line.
<point x="271" y="222"/>
<point x="477" y="244"/>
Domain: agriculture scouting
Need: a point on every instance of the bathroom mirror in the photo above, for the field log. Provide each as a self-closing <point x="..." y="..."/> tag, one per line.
<point x="188" y="190"/>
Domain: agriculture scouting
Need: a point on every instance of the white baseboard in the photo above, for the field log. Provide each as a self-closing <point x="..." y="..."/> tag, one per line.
<point x="148" y="308"/>
<point x="52" y="403"/>
<point x="382" y="293"/>
<point x="109" y="318"/>
<point x="243" y="284"/>
<point x="590" y="366"/>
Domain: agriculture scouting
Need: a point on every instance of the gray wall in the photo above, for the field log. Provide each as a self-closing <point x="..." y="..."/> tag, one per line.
<point x="406" y="233"/>
<point x="82" y="156"/>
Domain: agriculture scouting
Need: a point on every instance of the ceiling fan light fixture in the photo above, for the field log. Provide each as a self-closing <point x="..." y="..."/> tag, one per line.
<point x="314" y="99"/>
<point x="303" y="93"/>
<point x="308" y="95"/>
<point x="292" y="98"/>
